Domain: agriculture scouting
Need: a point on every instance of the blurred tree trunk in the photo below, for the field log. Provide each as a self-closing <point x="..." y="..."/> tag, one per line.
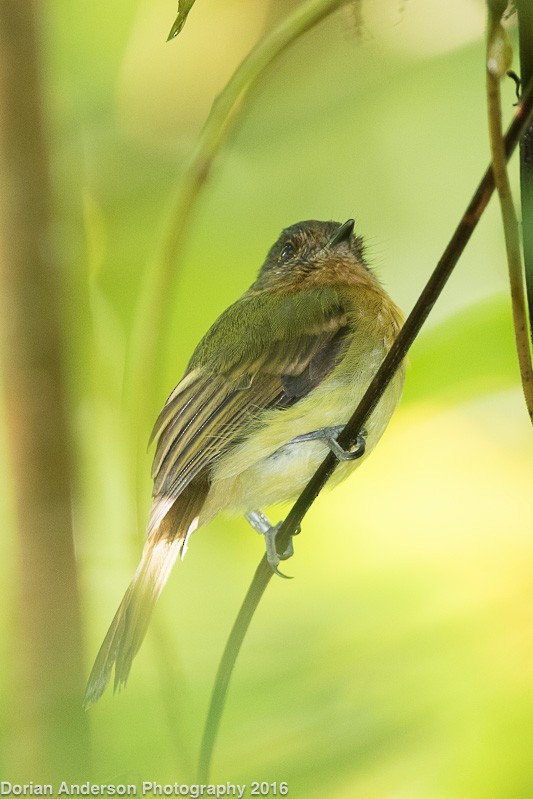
<point x="48" y="735"/>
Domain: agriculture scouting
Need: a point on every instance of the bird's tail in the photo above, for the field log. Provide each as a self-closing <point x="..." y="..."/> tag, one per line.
<point x="130" y="623"/>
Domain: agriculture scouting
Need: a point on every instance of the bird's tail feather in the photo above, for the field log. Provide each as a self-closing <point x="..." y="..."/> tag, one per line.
<point x="130" y="623"/>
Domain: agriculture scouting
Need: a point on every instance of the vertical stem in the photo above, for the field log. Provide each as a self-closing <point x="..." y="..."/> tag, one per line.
<point x="48" y="730"/>
<point x="525" y="29"/>
<point x="496" y="67"/>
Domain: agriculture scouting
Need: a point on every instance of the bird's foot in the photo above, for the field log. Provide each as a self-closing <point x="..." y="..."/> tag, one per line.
<point x="262" y="525"/>
<point x="329" y="436"/>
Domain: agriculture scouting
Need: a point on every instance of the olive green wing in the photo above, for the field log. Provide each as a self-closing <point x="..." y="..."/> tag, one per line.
<point x="263" y="352"/>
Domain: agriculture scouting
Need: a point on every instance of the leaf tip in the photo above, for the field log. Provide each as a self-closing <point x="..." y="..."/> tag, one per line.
<point x="175" y="29"/>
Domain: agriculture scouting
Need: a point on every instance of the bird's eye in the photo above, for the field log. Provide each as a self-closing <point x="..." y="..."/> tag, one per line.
<point x="287" y="252"/>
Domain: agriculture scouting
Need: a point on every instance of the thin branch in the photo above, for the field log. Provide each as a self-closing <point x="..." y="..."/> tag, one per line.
<point x="356" y="423"/>
<point x="525" y="29"/>
<point x="499" y="55"/>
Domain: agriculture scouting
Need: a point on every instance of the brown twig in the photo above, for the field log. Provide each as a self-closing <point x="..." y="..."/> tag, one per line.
<point x="397" y="353"/>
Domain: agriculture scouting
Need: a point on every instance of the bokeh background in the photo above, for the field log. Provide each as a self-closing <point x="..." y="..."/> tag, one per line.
<point x="399" y="662"/>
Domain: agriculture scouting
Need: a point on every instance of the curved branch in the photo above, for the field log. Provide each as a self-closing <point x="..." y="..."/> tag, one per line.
<point x="373" y="394"/>
<point x="223" y="118"/>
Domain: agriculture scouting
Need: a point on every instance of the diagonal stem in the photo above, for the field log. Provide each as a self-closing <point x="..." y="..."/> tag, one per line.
<point x="153" y="310"/>
<point x="383" y="376"/>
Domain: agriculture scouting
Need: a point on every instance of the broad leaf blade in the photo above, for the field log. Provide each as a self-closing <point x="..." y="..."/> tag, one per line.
<point x="470" y="354"/>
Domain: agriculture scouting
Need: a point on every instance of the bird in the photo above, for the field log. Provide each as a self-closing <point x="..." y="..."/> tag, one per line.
<point x="263" y="399"/>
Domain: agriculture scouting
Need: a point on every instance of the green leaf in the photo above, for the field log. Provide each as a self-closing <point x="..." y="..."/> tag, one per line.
<point x="468" y="355"/>
<point x="184" y="6"/>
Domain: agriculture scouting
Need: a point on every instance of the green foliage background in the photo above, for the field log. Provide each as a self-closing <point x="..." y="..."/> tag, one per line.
<point x="398" y="663"/>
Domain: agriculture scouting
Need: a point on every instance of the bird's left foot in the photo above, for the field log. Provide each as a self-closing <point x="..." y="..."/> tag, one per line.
<point x="262" y="524"/>
<point x="329" y="435"/>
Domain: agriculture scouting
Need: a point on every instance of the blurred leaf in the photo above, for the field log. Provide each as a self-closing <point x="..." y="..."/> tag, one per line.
<point x="183" y="12"/>
<point x="95" y="233"/>
<point x="470" y="354"/>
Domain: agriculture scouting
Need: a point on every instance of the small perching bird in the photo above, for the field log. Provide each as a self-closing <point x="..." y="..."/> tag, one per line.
<point x="265" y="394"/>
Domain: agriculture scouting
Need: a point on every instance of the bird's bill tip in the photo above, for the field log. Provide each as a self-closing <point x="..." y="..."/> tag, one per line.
<point x="342" y="233"/>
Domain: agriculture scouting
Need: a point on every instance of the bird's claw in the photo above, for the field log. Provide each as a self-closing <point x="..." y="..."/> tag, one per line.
<point x="280" y="574"/>
<point x="357" y="450"/>
<point x="260" y="522"/>
<point x="329" y="435"/>
<point x="262" y="525"/>
<point x="272" y="554"/>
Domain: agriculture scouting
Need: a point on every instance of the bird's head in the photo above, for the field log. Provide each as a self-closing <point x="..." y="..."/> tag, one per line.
<point x="313" y="253"/>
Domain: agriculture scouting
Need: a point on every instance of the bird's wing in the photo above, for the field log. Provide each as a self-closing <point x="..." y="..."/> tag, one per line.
<point x="238" y="370"/>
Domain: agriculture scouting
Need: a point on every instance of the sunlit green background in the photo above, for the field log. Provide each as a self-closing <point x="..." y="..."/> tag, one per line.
<point x="399" y="662"/>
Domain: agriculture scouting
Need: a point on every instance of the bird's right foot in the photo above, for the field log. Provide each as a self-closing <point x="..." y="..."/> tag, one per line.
<point x="262" y="525"/>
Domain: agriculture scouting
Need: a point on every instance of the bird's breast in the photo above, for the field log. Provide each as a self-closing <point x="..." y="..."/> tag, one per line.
<point x="265" y="468"/>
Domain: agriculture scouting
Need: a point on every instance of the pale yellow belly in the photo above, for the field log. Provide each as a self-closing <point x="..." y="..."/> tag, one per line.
<point x="262" y="470"/>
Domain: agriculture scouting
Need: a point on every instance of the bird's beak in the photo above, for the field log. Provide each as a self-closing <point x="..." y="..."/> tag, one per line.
<point x="342" y="233"/>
